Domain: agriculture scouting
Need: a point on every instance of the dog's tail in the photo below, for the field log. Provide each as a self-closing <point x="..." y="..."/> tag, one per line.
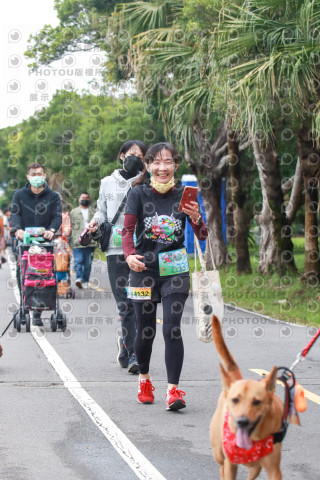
<point x="222" y="349"/>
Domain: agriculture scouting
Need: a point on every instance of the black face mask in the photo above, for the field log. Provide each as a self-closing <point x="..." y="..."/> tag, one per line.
<point x="85" y="203"/>
<point x="133" y="164"/>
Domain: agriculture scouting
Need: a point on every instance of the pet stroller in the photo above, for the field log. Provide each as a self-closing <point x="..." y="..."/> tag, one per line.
<point x="62" y="254"/>
<point x="36" y="275"/>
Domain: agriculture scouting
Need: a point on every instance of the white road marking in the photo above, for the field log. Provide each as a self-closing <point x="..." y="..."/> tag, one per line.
<point x="132" y="456"/>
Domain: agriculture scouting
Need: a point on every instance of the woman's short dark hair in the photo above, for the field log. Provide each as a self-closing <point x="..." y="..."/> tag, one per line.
<point x="157" y="147"/>
<point x="129" y="143"/>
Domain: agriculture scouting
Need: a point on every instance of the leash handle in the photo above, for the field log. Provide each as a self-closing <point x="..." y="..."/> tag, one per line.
<point x="312" y="341"/>
<point x="297" y="360"/>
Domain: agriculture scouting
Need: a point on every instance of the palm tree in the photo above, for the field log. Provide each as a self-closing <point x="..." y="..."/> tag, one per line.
<point x="274" y="63"/>
<point x="170" y="64"/>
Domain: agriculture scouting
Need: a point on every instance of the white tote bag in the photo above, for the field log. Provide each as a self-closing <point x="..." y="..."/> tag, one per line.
<point x="207" y="295"/>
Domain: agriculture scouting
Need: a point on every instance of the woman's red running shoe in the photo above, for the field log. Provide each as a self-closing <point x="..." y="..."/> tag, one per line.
<point x="145" y="394"/>
<point x="174" y="399"/>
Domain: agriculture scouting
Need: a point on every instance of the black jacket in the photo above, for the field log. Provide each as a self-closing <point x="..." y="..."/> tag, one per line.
<point x="36" y="210"/>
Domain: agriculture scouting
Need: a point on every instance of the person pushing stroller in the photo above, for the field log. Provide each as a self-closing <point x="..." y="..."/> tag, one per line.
<point x="35" y="205"/>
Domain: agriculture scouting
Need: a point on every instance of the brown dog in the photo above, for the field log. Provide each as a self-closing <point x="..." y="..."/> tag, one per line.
<point x="247" y="414"/>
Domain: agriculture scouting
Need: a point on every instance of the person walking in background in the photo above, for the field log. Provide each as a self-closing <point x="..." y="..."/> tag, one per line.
<point x="82" y="256"/>
<point x="10" y="239"/>
<point x="7" y="225"/>
<point x="113" y="190"/>
<point x="158" y="264"/>
<point x="2" y="238"/>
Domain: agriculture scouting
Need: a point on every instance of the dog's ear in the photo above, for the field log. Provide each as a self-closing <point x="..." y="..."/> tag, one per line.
<point x="226" y="380"/>
<point x="271" y="379"/>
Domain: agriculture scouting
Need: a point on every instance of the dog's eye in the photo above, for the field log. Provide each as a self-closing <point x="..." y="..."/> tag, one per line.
<point x="235" y="400"/>
<point x="256" y="402"/>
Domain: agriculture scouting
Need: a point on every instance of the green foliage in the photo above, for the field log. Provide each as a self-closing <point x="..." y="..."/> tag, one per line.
<point x="77" y="138"/>
<point x="83" y="26"/>
<point x="202" y="16"/>
<point x="271" y="52"/>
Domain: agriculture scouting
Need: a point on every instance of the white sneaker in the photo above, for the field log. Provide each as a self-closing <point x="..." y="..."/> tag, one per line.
<point x="85" y="285"/>
<point x="78" y="283"/>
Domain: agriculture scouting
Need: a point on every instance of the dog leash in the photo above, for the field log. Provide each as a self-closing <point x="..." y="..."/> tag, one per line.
<point x="294" y="395"/>
<point x="288" y="379"/>
<point x="302" y="355"/>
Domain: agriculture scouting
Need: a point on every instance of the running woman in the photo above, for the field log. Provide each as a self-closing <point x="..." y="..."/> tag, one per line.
<point x="158" y="264"/>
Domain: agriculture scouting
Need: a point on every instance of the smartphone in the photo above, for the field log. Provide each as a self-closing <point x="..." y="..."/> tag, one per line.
<point x="189" y="195"/>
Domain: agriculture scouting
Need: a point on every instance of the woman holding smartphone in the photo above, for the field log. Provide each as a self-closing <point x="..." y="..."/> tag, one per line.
<point x="158" y="264"/>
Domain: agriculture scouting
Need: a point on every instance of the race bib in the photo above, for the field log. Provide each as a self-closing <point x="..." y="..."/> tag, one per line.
<point x="139" y="293"/>
<point x="117" y="236"/>
<point x="173" y="262"/>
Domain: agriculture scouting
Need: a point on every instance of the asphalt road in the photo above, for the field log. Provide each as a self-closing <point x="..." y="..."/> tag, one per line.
<point x="55" y="427"/>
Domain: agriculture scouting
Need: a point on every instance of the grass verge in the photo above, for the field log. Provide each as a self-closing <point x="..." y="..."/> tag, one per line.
<point x="286" y="298"/>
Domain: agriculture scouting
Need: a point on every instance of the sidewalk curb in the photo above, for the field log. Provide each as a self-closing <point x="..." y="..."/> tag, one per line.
<point x="283" y="322"/>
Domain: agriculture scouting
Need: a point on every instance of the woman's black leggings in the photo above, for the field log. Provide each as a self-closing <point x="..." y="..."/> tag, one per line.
<point x="173" y="306"/>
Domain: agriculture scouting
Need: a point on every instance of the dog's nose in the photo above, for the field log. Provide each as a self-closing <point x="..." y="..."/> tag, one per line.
<point x="243" y="422"/>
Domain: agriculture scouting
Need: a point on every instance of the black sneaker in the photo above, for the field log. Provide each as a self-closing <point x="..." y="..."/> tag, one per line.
<point x="133" y="366"/>
<point x="37" y="322"/>
<point x="122" y="357"/>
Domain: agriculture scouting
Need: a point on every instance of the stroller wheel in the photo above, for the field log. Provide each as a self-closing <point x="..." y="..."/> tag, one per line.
<point x="53" y="322"/>
<point x="63" y="322"/>
<point x="18" y="322"/>
<point x="27" y="317"/>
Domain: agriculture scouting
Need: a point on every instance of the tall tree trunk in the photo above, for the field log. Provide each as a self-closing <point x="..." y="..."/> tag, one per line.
<point x="310" y="163"/>
<point x="238" y="200"/>
<point x="312" y="260"/>
<point x="56" y="183"/>
<point x="212" y="201"/>
<point x="276" y="248"/>
<point x="296" y="198"/>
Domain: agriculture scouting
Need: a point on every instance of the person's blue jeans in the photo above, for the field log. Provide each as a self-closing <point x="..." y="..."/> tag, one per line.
<point x="82" y="262"/>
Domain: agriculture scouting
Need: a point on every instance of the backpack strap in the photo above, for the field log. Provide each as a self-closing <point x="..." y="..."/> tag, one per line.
<point x="122" y="204"/>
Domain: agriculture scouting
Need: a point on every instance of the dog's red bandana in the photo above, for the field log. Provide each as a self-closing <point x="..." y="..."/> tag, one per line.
<point x="236" y="454"/>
